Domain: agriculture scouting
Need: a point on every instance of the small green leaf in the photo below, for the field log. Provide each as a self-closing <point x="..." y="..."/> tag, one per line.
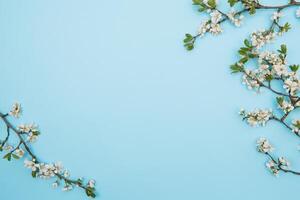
<point x="252" y="10"/>
<point x="33" y="174"/>
<point x="279" y="100"/>
<point x="212" y="3"/>
<point x="283" y="49"/>
<point x="7" y="157"/>
<point x="294" y="68"/>
<point x="247" y="43"/>
<point x="235" y="68"/>
<point x="269" y="77"/>
<point x="15" y="156"/>
<point x="232" y="2"/>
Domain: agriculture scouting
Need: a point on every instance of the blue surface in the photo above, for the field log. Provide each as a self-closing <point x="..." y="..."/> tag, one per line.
<point x="118" y="99"/>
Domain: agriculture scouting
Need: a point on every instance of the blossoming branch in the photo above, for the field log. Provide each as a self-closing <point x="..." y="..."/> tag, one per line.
<point x="273" y="164"/>
<point x="272" y="69"/>
<point x="26" y="134"/>
<point x="217" y="17"/>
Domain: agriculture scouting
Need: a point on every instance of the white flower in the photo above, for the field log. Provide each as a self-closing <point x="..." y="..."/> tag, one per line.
<point x="19" y="152"/>
<point x="8" y="147"/>
<point x="234" y="18"/>
<point x="286" y="106"/>
<point x="46" y="171"/>
<point x="280" y="70"/>
<point x="16" y="110"/>
<point x="298" y="13"/>
<point x="284" y="163"/>
<point x="30" y="165"/>
<point x="273" y="167"/>
<point x="32" y="137"/>
<point x="204" y="28"/>
<point x="276" y="15"/>
<point x="257" y="117"/>
<point x="216" y="16"/>
<point x="91" y="183"/>
<point x="58" y="167"/>
<point x="66" y="174"/>
<point x="67" y="188"/>
<point x="27" y="128"/>
<point x="260" y="38"/>
<point x="215" y="29"/>
<point x="264" y="146"/>
<point x="292" y="85"/>
<point x="55" y="184"/>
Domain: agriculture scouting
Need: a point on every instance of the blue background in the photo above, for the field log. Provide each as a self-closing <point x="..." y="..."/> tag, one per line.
<point x="118" y="99"/>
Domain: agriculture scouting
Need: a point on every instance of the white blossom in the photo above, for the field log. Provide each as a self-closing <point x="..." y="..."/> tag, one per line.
<point x="27" y="128"/>
<point x="260" y="38"/>
<point x="8" y="147"/>
<point x="264" y="146"/>
<point x="284" y="163"/>
<point x="215" y="29"/>
<point x="30" y="165"/>
<point x="91" y="183"/>
<point x="276" y="15"/>
<point x="286" y="106"/>
<point x="67" y="188"/>
<point x="257" y="117"/>
<point x="292" y="85"/>
<point x="19" y="152"/>
<point x="273" y="167"/>
<point x="204" y="28"/>
<point x="32" y="137"/>
<point x="216" y="16"/>
<point x="234" y="18"/>
<point x="55" y="184"/>
<point x="16" y="110"/>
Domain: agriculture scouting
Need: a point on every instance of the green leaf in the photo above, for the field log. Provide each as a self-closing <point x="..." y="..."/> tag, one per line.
<point x="188" y="38"/>
<point x="232" y="2"/>
<point x="33" y="174"/>
<point x="7" y="157"/>
<point x="197" y="2"/>
<point x="283" y="49"/>
<point x="247" y="43"/>
<point x="279" y="100"/>
<point x="244" y="60"/>
<point x="252" y="10"/>
<point x="294" y="68"/>
<point x="189" y="46"/>
<point x="235" y="68"/>
<point x="286" y="27"/>
<point x="90" y="192"/>
<point x="212" y="3"/>
<point x="15" y="156"/>
<point x="269" y="77"/>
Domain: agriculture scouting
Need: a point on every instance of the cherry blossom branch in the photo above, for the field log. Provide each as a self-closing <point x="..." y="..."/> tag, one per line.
<point x="274" y="165"/>
<point x="217" y="17"/>
<point x="38" y="168"/>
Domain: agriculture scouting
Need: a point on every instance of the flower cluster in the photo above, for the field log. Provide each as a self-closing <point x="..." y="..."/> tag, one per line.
<point x="285" y="106"/>
<point x="264" y="146"/>
<point x="28" y="133"/>
<point x="257" y="117"/>
<point x="262" y="37"/>
<point x="273" y="165"/>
